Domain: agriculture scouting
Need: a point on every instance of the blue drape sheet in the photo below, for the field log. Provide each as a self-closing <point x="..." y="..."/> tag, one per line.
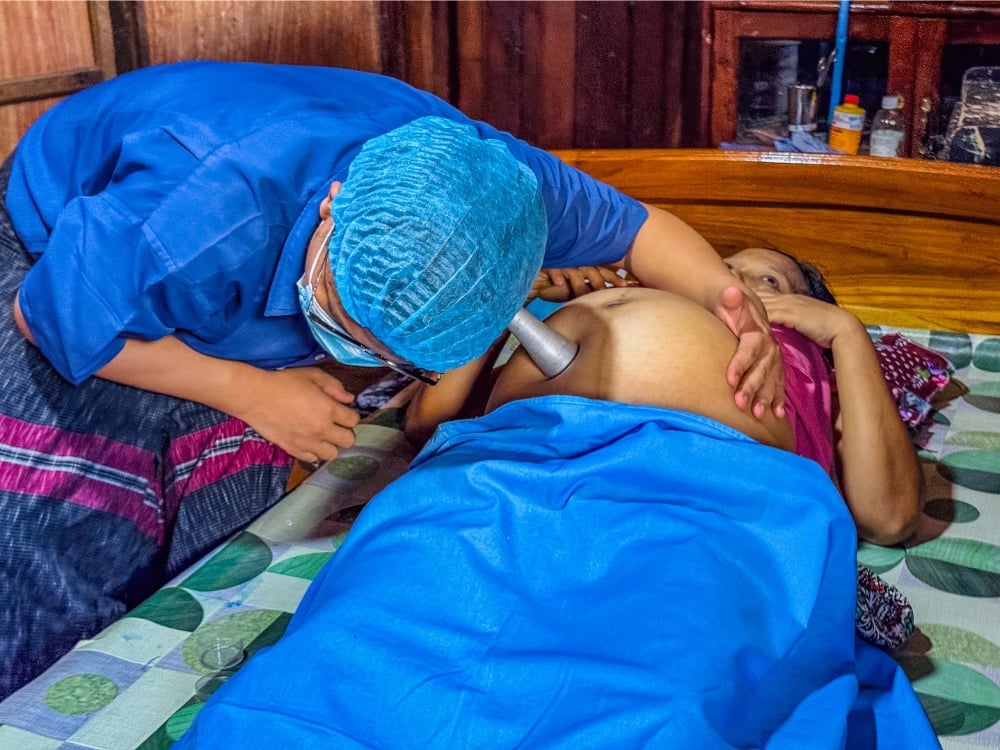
<point x="571" y="573"/>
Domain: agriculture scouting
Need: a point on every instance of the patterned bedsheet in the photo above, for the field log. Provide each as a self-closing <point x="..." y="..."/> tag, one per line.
<point x="141" y="681"/>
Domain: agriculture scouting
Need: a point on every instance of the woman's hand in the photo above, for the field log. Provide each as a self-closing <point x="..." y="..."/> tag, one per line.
<point x="562" y="284"/>
<point x="820" y="321"/>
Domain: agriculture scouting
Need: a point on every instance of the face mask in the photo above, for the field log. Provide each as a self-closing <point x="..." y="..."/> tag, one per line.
<point x="337" y="342"/>
<point x="319" y="321"/>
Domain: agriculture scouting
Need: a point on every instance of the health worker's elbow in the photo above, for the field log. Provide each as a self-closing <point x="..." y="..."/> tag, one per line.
<point x="20" y="322"/>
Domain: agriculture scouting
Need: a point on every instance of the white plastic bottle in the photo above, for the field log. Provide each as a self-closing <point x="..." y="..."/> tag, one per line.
<point x="887" y="128"/>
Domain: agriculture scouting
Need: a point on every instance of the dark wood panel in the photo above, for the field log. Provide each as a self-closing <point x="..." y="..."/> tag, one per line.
<point x="602" y="75"/>
<point x="584" y="74"/>
<point x="550" y="39"/>
<point x="964" y="31"/>
<point x="471" y="74"/>
<point x="415" y="43"/>
<point x="128" y="26"/>
<point x="502" y="39"/>
<point x="47" y="85"/>
<point x="658" y="90"/>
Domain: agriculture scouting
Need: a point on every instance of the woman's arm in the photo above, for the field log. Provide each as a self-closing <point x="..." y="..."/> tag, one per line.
<point x="303" y="410"/>
<point x="668" y="254"/>
<point x="879" y="472"/>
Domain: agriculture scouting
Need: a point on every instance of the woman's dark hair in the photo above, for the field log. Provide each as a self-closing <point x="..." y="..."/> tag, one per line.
<point x="815" y="283"/>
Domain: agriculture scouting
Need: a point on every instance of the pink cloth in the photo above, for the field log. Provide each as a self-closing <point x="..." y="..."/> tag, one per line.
<point x="808" y="395"/>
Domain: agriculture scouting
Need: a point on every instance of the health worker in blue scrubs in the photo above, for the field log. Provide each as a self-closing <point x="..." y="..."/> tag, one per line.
<point x="173" y="210"/>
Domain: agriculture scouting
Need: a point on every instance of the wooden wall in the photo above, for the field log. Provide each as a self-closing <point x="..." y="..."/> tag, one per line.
<point x="386" y="37"/>
<point x="594" y="74"/>
<point x="33" y="75"/>
<point x="559" y="74"/>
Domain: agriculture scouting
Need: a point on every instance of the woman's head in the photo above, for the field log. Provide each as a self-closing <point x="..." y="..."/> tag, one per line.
<point x="761" y="268"/>
<point x="439" y="236"/>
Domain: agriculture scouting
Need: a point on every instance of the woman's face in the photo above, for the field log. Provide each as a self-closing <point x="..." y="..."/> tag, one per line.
<point x="761" y="269"/>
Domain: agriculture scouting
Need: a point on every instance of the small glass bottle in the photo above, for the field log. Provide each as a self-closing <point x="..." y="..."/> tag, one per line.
<point x="887" y="128"/>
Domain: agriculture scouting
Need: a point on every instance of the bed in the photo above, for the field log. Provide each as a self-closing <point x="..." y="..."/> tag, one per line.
<point x="907" y="245"/>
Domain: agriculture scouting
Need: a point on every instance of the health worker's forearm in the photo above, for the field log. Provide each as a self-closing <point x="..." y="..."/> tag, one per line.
<point x="669" y="254"/>
<point x="170" y="366"/>
<point x="304" y="410"/>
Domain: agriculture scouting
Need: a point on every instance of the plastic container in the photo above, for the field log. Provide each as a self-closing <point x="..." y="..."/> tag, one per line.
<point x="847" y="126"/>
<point x="887" y="128"/>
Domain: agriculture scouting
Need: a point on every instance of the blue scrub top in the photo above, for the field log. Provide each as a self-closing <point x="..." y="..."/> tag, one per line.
<point x="179" y="199"/>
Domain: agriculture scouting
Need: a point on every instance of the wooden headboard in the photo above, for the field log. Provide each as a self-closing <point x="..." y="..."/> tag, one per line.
<point x="902" y="242"/>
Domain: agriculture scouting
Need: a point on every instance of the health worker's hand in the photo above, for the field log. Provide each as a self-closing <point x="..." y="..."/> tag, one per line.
<point x="756" y="372"/>
<point x="303" y="410"/>
<point x="562" y="284"/>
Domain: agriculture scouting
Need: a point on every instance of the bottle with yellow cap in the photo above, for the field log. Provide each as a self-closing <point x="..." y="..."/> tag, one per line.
<point x="847" y="126"/>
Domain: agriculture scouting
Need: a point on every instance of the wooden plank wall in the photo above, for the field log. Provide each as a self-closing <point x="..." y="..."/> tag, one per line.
<point x="559" y="74"/>
<point x="361" y="34"/>
<point x="595" y="74"/>
<point x="33" y="76"/>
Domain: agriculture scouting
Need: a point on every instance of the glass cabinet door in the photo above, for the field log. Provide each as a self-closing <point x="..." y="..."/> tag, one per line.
<point x="768" y="66"/>
<point x="919" y="51"/>
<point x="964" y="121"/>
<point x="757" y="51"/>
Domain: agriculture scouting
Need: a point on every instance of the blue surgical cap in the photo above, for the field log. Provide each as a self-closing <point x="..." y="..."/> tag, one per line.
<point x="439" y="236"/>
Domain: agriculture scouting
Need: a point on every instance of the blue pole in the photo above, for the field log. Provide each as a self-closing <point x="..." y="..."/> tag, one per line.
<point x="840" y="49"/>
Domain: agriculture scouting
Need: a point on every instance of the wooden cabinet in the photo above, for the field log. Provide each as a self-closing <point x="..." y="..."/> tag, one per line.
<point x="917" y="49"/>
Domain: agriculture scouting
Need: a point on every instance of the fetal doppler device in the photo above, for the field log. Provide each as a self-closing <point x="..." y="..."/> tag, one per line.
<point x="550" y="351"/>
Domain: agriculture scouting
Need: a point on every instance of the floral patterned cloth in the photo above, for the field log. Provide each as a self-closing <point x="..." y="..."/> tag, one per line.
<point x="915" y="374"/>
<point x="882" y="616"/>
